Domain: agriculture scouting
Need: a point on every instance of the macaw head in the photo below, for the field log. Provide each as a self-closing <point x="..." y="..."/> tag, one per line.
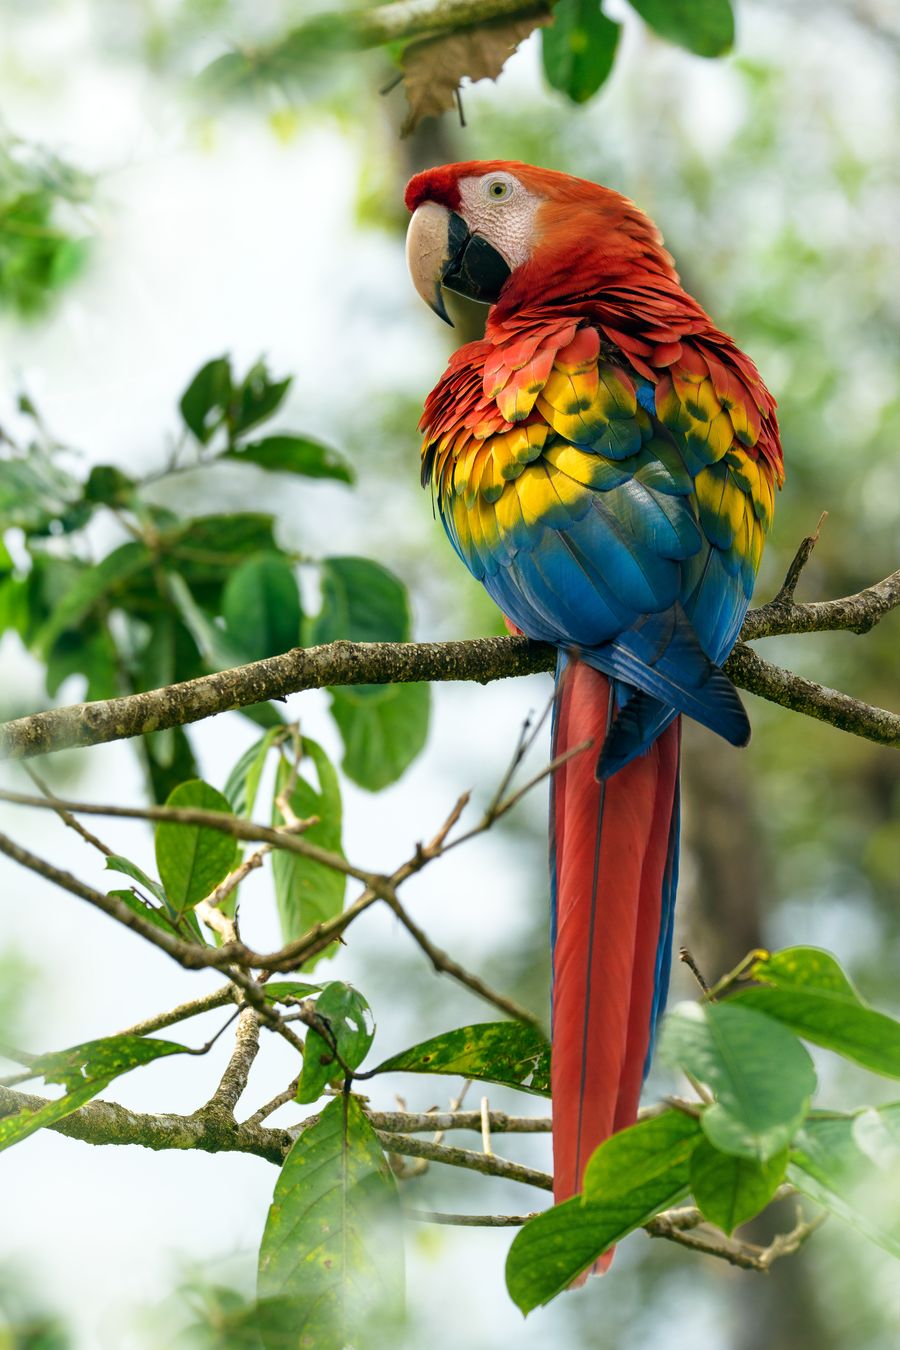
<point x="508" y="234"/>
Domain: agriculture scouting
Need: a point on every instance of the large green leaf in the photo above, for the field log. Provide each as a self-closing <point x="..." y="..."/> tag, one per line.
<point x="629" y="1179"/>
<point x="348" y="1017"/>
<point x="203" y="404"/>
<point x="308" y="892"/>
<point x="288" y="453"/>
<point x="806" y="990"/>
<point x="84" y="1070"/>
<point x="731" y="1190"/>
<point x="705" y="27"/>
<point x="579" y="48"/>
<point x="851" y="1165"/>
<point x="193" y="859"/>
<point x="361" y="601"/>
<point x="261" y="606"/>
<point x="331" y="1260"/>
<point x="511" y="1053"/>
<point x="761" y="1075"/>
<point x="383" y="728"/>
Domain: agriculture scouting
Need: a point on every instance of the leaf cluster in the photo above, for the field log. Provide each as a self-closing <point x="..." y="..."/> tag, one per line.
<point x="331" y="1256"/>
<point x="179" y="594"/>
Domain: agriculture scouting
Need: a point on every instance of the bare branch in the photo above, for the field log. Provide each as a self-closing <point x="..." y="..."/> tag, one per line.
<point x="487" y="1163"/>
<point x="193" y="1008"/>
<point x="850" y="614"/>
<point x="101" y="1122"/>
<point x="751" y="672"/>
<point x="234" y="1080"/>
<point x="479" y="659"/>
<point x="339" y="663"/>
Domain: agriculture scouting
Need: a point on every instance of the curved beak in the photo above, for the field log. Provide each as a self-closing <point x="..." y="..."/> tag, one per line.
<point x="440" y="252"/>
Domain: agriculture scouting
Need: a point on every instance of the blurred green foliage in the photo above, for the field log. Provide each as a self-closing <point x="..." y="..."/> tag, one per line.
<point x="44" y="239"/>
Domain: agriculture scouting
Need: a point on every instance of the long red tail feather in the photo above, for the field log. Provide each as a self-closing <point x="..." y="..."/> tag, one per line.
<point x="610" y="846"/>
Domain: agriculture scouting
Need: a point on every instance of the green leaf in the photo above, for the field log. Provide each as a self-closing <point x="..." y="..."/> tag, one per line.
<point x="89" y="651"/>
<point x="261" y="606"/>
<point x="115" y="863"/>
<point x="84" y="1070"/>
<point x="361" y="601"/>
<point x="761" y="1075"/>
<point x="837" y="1162"/>
<point x="806" y="990"/>
<point x="217" y="648"/>
<point x="193" y="859"/>
<point x="189" y="924"/>
<point x="332" y="1247"/>
<point x="383" y="727"/>
<point x="105" y="581"/>
<point x="289" y="991"/>
<point x="257" y="398"/>
<point x="731" y="1190"/>
<point x="629" y="1179"/>
<point x="289" y="453"/>
<point x="205" y="401"/>
<point x="705" y="27"/>
<point x="349" y="1018"/>
<point x="511" y="1053"/>
<point x="206" y="546"/>
<point x="108" y="485"/>
<point x="579" y="48"/>
<point x="243" y="781"/>
<point x="307" y="892"/>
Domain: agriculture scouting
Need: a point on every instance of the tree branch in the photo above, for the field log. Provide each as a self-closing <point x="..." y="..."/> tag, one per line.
<point x="101" y="1122"/>
<point x="408" y="19"/>
<point x="488" y="1163"/>
<point x="771" y="682"/>
<point x="478" y="659"/>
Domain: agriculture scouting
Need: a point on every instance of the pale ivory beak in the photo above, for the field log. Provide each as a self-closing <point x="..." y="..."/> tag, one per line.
<point x="428" y="254"/>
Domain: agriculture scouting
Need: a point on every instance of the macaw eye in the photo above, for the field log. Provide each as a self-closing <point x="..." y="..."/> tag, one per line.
<point x="498" y="190"/>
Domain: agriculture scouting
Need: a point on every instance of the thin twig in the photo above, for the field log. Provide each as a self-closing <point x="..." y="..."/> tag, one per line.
<point x="445" y="964"/>
<point x="464" y="1157"/>
<point x="270" y="1107"/>
<point x="685" y="955"/>
<point x="468" y="1220"/>
<point x="486" y="1145"/>
<point x="193" y="1008"/>
<point x="66" y="816"/>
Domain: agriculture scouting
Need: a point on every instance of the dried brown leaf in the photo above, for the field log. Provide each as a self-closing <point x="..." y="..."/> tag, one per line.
<point x="434" y="67"/>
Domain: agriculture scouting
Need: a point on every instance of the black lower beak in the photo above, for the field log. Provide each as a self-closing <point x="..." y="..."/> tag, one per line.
<point x="474" y="268"/>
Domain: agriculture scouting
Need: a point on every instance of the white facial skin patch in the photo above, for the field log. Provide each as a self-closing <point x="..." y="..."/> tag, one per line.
<point x="502" y="211"/>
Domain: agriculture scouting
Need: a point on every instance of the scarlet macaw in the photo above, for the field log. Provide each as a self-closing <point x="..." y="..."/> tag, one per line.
<point x="604" y="462"/>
